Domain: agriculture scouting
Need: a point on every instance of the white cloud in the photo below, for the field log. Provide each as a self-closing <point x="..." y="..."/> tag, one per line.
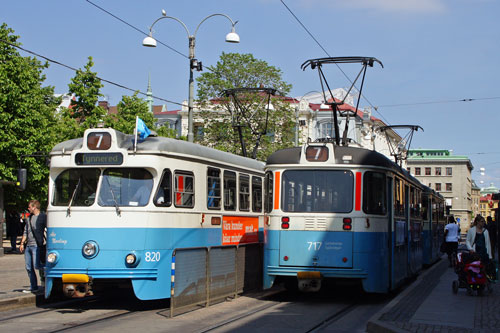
<point x="409" y="6"/>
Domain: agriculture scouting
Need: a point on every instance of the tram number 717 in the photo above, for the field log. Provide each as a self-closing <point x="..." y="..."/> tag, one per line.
<point x="315" y="246"/>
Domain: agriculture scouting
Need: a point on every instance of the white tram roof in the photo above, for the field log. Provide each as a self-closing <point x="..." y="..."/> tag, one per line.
<point x="357" y="156"/>
<point x="155" y="145"/>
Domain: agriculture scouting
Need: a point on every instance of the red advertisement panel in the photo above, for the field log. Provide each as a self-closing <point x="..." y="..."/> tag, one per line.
<point x="240" y="230"/>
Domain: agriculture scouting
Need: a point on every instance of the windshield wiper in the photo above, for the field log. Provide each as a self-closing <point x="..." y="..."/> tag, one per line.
<point x="68" y="211"/>
<point x="118" y="212"/>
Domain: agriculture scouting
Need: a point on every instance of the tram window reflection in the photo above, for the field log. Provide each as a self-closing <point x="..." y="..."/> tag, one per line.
<point x="77" y="186"/>
<point x="374" y="193"/>
<point x="184" y="189"/>
<point x="125" y="187"/>
<point x="163" y="197"/>
<point x="329" y="191"/>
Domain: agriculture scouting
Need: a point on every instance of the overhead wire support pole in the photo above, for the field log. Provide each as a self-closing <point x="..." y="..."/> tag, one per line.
<point x="365" y="61"/>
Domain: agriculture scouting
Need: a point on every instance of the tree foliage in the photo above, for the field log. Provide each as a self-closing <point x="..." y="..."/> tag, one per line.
<point x="86" y="86"/>
<point x="127" y="110"/>
<point x="235" y="70"/>
<point x="26" y="120"/>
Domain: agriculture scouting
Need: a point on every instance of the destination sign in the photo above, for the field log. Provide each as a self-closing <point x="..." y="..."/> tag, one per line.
<point x="98" y="158"/>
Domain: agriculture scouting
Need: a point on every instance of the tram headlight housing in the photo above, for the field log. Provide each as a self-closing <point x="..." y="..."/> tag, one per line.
<point x="132" y="259"/>
<point x="52" y="258"/>
<point x="90" y="249"/>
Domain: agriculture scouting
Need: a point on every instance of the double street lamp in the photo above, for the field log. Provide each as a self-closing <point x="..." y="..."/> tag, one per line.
<point x="231" y="37"/>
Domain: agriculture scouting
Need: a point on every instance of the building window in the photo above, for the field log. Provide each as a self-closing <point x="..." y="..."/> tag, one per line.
<point x="438" y="171"/>
<point x="427" y="171"/>
<point x="448" y="187"/>
<point x="438" y="186"/>
<point x="417" y="171"/>
<point x="326" y="129"/>
<point x="408" y="169"/>
<point x="449" y="171"/>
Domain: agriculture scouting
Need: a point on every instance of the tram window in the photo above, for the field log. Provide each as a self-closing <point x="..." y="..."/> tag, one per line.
<point x="125" y="187"/>
<point x="213" y="188"/>
<point x="317" y="191"/>
<point x="244" y="193"/>
<point x="163" y="197"/>
<point x="257" y="194"/>
<point x="374" y="193"/>
<point x="399" y="198"/>
<point x="77" y="186"/>
<point x="425" y="207"/>
<point x="229" y="190"/>
<point x="184" y="189"/>
<point x="415" y="203"/>
<point x="268" y="196"/>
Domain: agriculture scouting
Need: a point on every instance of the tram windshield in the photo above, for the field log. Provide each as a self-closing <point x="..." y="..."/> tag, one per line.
<point x="125" y="187"/>
<point x="76" y="187"/>
<point x="324" y="191"/>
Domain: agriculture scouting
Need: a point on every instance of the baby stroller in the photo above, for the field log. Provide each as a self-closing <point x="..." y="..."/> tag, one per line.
<point x="472" y="274"/>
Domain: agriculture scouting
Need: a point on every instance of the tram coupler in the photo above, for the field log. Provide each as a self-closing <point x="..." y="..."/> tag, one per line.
<point x="309" y="281"/>
<point x="77" y="285"/>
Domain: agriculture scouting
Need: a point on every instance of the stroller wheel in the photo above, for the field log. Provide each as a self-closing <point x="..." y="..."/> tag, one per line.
<point x="454" y="286"/>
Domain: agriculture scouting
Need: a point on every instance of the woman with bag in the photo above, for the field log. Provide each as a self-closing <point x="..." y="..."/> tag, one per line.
<point x="451" y="236"/>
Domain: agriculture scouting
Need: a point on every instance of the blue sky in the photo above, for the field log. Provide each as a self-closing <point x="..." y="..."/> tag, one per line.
<point x="438" y="51"/>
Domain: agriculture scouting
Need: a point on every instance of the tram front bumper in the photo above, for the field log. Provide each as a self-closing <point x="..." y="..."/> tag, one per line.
<point x="76" y="285"/>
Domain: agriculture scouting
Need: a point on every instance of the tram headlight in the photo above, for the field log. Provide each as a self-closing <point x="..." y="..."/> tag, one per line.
<point x="90" y="249"/>
<point x="131" y="259"/>
<point x="52" y="258"/>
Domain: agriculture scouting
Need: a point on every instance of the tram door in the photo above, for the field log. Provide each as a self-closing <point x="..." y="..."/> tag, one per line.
<point x="400" y="241"/>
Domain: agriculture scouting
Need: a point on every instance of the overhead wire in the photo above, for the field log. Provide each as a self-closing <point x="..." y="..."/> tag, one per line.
<point x="137" y="29"/>
<point x="75" y="69"/>
<point x="439" y="102"/>
<point x="326" y="52"/>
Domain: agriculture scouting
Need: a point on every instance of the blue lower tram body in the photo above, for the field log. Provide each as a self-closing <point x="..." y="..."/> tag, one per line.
<point x="150" y="278"/>
<point x="363" y="256"/>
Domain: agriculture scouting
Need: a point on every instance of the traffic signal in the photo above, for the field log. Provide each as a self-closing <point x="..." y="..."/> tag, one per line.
<point x="22" y="176"/>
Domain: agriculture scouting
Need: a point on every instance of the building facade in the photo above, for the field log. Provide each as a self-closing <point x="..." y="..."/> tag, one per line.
<point x="448" y="174"/>
<point x="476" y="196"/>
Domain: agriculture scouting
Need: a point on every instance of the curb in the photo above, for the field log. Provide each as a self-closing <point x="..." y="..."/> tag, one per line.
<point x="17" y="302"/>
<point x="378" y="326"/>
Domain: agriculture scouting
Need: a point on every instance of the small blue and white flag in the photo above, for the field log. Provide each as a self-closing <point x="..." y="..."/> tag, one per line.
<point x="141" y="131"/>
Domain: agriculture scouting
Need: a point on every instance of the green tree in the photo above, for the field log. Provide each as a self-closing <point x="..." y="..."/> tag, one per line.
<point x="86" y="87"/>
<point x="26" y="120"/>
<point x="127" y="110"/>
<point x="235" y="70"/>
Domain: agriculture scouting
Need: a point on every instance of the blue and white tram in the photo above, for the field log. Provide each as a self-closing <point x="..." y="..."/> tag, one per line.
<point x="340" y="213"/>
<point x="116" y="214"/>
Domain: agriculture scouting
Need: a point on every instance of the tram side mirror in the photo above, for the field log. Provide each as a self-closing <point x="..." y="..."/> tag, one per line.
<point x="22" y="176"/>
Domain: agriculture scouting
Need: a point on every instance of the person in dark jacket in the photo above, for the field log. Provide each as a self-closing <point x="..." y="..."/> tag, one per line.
<point x="13" y="223"/>
<point x="33" y="243"/>
<point x="492" y="230"/>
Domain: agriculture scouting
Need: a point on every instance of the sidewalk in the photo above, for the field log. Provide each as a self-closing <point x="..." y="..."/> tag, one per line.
<point x="13" y="280"/>
<point x="429" y="305"/>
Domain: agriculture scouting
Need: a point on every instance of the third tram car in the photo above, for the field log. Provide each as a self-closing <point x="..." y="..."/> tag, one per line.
<point x="346" y="213"/>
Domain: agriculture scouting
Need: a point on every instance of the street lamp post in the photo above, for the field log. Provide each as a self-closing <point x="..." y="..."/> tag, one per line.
<point x="231" y="37"/>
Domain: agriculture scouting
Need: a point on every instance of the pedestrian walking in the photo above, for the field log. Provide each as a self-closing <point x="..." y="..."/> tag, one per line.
<point x="451" y="234"/>
<point x="32" y="244"/>
<point x="478" y="240"/>
<point x="491" y="226"/>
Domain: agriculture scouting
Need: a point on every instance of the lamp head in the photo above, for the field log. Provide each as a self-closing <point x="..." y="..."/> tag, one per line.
<point x="149" y="41"/>
<point x="233" y="37"/>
